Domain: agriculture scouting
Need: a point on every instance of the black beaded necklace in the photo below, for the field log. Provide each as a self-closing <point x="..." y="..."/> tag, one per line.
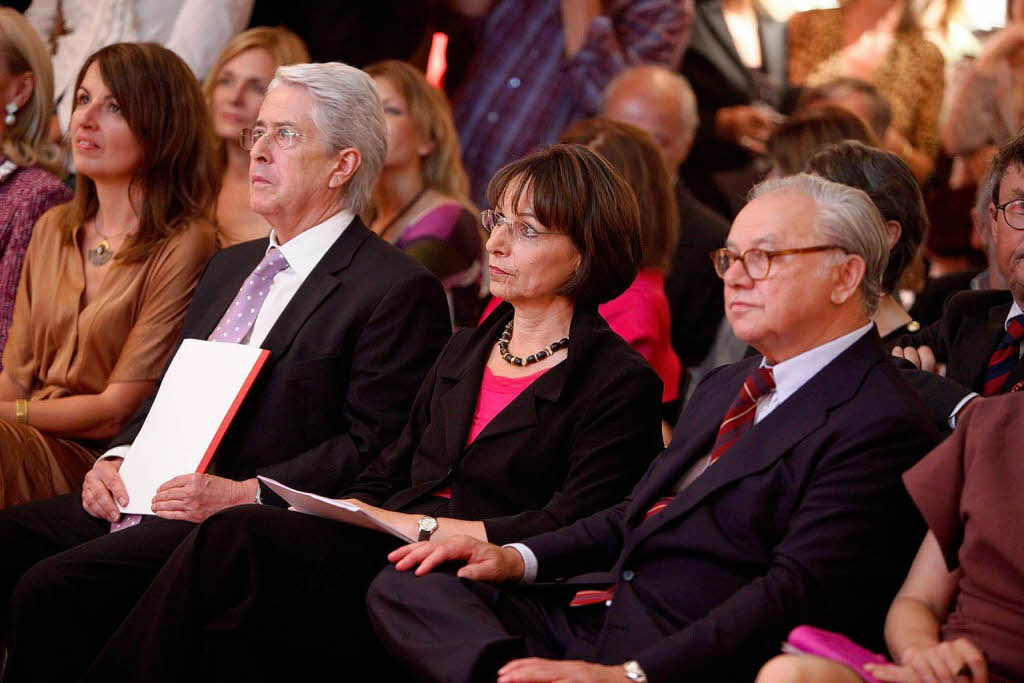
<point x="548" y="350"/>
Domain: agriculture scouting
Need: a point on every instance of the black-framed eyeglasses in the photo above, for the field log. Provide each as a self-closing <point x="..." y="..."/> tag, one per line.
<point x="758" y="262"/>
<point x="517" y="230"/>
<point x="1013" y="213"/>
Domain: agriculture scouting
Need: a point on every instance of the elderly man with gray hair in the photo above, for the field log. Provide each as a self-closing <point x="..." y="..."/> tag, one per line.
<point x="778" y="502"/>
<point x="352" y="326"/>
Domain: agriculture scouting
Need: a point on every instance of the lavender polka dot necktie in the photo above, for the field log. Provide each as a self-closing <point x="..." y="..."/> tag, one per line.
<point x="235" y="324"/>
<point x="241" y="314"/>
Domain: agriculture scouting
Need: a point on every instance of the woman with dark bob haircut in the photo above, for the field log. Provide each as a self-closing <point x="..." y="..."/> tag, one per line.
<point x="891" y="185"/>
<point x="536" y="418"/>
<point x="107" y="278"/>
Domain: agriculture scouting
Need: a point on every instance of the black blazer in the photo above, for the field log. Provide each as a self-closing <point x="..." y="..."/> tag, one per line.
<point x="965" y="337"/>
<point x="804" y="520"/>
<point x="575" y="441"/>
<point x="721" y="79"/>
<point x="346" y="358"/>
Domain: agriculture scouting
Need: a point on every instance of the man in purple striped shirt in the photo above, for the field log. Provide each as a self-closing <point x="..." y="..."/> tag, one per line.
<point x="541" y="64"/>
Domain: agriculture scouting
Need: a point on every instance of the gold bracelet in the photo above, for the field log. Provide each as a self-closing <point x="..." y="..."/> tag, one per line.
<point x="21" y="411"/>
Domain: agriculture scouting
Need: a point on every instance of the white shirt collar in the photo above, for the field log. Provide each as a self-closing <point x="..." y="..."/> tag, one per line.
<point x="1015" y="310"/>
<point x="306" y="249"/>
<point x="793" y="373"/>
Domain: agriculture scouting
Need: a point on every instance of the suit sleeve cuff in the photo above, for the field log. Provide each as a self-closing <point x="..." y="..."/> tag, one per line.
<point x="956" y="409"/>
<point x="119" y="452"/>
<point x="529" y="562"/>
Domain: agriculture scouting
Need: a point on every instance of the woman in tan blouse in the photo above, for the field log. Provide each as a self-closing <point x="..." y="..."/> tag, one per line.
<point x="878" y="41"/>
<point x="108" y="277"/>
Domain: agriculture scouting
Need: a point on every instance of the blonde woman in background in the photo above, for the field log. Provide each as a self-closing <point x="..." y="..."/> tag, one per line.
<point x="234" y="91"/>
<point x="29" y="164"/>
<point x="420" y="203"/>
<point x="881" y="42"/>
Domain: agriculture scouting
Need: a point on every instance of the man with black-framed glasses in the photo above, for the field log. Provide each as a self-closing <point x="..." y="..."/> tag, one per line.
<point x="978" y="339"/>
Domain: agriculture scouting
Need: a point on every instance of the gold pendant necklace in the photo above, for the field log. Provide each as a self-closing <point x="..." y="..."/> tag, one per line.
<point x="100" y="254"/>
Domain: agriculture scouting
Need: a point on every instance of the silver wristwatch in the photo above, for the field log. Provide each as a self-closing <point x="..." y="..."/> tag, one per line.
<point x="634" y="672"/>
<point x="427" y="526"/>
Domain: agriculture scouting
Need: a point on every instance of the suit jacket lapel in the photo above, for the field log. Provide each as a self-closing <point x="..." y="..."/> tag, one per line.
<point x="788" y="424"/>
<point x="317" y="286"/>
<point x="720" y="49"/>
<point x="773" y="48"/>
<point x="981" y="334"/>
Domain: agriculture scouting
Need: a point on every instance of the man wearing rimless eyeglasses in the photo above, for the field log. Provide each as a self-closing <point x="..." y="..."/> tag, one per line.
<point x="977" y="342"/>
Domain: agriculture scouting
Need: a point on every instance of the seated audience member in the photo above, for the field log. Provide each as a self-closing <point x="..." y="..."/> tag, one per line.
<point x="539" y="417"/>
<point x="640" y="315"/>
<point x="234" y="91"/>
<point x="108" y="277"/>
<point x="352" y="326"/>
<point x="882" y="43"/>
<point x="804" y="134"/>
<point x="524" y="92"/>
<point x="420" y="203"/>
<point x="736" y="63"/>
<point x="771" y="507"/>
<point x="986" y="105"/>
<point x="891" y="185"/>
<point x="661" y="102"/>
<point x="981" y="235"/>
<point x="29" y="163"/>
<point x="958" y="616"/>
<point x="854" y="95"/>
<point x="978" y="337"/>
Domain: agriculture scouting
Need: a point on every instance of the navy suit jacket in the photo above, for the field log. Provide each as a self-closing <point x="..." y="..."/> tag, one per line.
<point x="804" y="520"/>
<point x="347" y="356"/>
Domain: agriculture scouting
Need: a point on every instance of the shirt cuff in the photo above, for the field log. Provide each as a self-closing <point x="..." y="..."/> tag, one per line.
<point x="529" y="561"/>
<point x="119" y="452"/>
<point x="956" y="409"/>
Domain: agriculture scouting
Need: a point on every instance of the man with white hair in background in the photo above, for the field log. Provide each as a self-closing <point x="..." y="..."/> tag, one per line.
<point x="352" y="326"/>
<point x="661" y="102"/>
<point x="778" y="502"/>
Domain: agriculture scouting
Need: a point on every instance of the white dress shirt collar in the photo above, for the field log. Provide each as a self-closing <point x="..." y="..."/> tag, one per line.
<point x="1015" y="310"/>
<point x="793" y="373"/>
<point x="306" y="249"/>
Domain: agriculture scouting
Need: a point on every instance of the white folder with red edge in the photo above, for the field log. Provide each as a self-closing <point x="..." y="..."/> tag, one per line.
<point x="199" y="395"/>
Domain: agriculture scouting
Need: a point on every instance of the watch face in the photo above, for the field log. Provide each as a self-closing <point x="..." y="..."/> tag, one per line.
<point x="428" y="524"/>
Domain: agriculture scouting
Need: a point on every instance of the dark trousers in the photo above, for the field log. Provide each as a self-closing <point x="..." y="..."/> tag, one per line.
<point x="255" y="593"/>
<point x="66" y="582"/>
<point x="446" y="629"/>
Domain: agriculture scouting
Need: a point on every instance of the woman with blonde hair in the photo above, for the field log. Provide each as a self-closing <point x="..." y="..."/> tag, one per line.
<point x="107" y="277"/>
<point x="420" y="203"/>
<point x="29" y="163"/>
<point x="234" y="91"/>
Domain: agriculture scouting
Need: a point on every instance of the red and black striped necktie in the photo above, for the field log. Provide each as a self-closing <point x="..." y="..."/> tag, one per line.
<point x="1004" y="359"/>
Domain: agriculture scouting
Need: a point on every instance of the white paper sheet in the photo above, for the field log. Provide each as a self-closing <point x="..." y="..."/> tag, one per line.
<point x="198" y="390"/>
<point x="312" y="504"/>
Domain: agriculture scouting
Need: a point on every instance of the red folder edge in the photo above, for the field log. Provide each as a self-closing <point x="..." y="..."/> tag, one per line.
<point x="215" y="442"/>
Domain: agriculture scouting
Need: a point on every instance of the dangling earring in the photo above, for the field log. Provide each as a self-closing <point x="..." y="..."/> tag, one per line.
<point x="11" y="108"/>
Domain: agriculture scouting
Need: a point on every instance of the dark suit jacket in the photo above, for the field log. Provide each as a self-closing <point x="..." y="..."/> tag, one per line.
<point x="967" y="334"/>
<point x="721" y="79"/>
<point x="347" y="356"/>
<point x="693" y="288"/>
<point x="573" y="442"/>
<point x="804" y="520"/>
